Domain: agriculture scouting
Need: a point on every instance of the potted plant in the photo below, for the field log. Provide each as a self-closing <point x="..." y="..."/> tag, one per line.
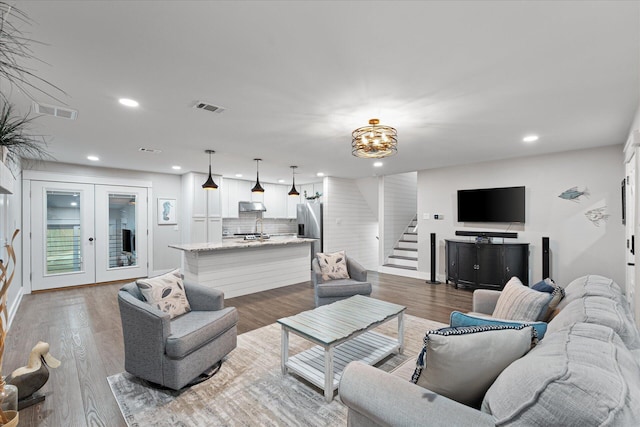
<point x="16" y="141"/>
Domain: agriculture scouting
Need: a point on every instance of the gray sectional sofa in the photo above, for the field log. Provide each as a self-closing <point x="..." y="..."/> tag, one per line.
<point x="585" y="371"/>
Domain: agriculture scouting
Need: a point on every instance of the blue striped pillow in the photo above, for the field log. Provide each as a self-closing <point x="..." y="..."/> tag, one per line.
<point x="460" y="319"/>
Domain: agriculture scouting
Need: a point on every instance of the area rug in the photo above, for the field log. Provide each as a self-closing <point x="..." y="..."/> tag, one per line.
<point x="249" y="389"/>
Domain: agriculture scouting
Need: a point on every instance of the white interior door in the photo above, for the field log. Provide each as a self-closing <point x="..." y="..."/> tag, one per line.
<point x="62" y="243"/>
<point x="121" y="232"/>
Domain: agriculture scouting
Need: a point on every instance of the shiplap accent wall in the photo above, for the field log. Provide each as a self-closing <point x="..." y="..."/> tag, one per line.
<point x="400" y="201"/>
<point x="349" y="222"/>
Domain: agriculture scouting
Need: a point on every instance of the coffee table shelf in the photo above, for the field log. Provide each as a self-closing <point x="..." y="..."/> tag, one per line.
<point x="342" y="332"/>
<point x="370" y="348"/>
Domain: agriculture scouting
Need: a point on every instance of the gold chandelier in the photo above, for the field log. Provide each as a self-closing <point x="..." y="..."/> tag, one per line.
<point x="374" y="141"/>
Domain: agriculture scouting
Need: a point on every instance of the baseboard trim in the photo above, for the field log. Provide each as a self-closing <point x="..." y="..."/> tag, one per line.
<point x="402" y="272"/>
<point x="14" y="308"/>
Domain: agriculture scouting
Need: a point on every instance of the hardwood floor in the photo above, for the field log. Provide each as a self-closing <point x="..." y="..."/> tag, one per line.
<point x="82" y="325"/>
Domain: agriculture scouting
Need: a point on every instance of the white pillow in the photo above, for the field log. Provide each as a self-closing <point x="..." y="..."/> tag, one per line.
<point x="519" y="302"/>
<point x="165" y="292"/>
<point x="333" y="266"/>
<point x="462" y="363"/>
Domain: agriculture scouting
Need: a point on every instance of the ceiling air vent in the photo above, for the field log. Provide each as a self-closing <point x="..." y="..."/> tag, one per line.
<point x="201" y="105"/>
<point x="53" y="110"/>
<point x="150" y="150"/>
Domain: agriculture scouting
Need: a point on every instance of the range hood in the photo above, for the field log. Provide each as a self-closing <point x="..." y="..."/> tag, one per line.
<point x="251" y="207"/>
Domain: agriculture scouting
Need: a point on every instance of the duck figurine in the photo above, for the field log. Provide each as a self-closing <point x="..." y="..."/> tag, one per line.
<point x="32" y="377"/>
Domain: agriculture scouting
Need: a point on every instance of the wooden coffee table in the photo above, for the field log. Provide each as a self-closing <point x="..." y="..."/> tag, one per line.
<point x="343" y="332"/>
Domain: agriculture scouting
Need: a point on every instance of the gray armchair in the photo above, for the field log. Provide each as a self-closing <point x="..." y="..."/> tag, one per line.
<point x="173" y="352"/>
<point x="326" y="292"/>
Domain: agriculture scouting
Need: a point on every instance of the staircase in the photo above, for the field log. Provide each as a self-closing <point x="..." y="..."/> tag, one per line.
<point x="404" y="259"/>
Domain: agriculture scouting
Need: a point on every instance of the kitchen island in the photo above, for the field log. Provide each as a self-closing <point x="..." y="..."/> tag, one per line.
<point x="240" y="267"/>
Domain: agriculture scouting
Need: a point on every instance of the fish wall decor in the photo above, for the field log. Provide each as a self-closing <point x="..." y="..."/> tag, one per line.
<point x="574" y="194"/>
<point x="597" y="216"/>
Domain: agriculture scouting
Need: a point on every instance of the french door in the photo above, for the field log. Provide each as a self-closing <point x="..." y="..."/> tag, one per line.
<point x="85" y="233"/>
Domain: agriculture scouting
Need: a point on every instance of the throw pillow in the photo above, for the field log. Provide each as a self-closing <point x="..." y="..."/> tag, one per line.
<point x="462" y="363"/>
<point x="547" y="285"/>
<point x="460" y="319"/>
<point x="557" y="294"/>
<point x="519" y="302"/>
<point x="333" y="266"/>
<point x="165" y="292"/>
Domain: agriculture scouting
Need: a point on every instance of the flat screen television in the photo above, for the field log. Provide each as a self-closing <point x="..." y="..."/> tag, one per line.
<point x="128" y="241"/>
<point x="491" y="205"/>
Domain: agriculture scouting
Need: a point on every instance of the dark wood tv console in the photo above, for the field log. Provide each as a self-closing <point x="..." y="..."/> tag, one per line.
<point x="486" y="265"/>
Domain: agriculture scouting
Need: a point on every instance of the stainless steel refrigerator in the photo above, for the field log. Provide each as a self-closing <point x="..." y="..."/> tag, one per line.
<point x="310" y="224"/>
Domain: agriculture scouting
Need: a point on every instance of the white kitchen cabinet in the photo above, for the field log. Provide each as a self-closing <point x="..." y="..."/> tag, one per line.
<point x="275" y="200"/>
<point x="311" y="190"/>
<point x="257" y="197"/>
<point x="214" y="230"/>
<point x="292" y="202"/>
<point x="200" y="207"/>
<point x="204" y="203"/>
<point x="233" y="192"/>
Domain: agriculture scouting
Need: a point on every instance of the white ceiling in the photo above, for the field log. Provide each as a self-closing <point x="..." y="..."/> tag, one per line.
<point x="461" y="81"/>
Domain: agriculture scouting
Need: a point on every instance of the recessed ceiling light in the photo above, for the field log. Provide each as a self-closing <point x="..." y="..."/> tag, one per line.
<point x="176" y="167"/>
<point x="128" y="102"/>
<point x="238" y="175"/>
<point x="281" y="181"/>
<point x="530" y="138"/>
<point x="93" y="158"/>
<point x="74" y="204"/>
<point x="377" y="164"/>
<point x="320" y="174"/>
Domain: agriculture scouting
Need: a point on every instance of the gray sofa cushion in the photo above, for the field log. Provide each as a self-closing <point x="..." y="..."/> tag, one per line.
<point x="343" y="287"/>
<point x="591" y="285"/>
<point x="602" y="311"/>
<point x="580" y="376"/>
<point x="196" y="328"/>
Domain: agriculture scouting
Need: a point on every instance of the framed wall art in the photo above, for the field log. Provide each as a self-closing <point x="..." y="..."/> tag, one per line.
<point x="167" y="209"/>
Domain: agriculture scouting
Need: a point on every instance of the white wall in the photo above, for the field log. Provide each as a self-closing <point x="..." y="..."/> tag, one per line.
<point x="577" y="246"/>
<point x="349" y="222"/>
<point x="163" y="186"/>
<point x="399" y="201"/>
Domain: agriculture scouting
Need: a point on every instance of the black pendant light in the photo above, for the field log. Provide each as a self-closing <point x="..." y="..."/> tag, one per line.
<point x="293" y="191"/>
<point x="209" y="184"/>
<point x="257" y="188"/>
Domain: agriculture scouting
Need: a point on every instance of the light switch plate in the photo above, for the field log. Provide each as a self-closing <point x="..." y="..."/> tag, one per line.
<point x="425" y="216"/>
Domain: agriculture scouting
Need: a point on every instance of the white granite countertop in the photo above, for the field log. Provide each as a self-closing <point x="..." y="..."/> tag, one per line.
<point x="240" y="243"/>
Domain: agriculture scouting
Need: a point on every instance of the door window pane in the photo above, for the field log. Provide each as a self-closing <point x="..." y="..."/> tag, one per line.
<point x="122" y="230"/>
<point x="63" y="252"/>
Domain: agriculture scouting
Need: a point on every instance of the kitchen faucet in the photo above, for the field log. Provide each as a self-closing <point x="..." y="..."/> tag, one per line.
<point x="259" y="220"/>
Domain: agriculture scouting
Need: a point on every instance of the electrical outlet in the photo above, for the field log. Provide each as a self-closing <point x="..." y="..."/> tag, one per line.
<point x="438" y="216"/>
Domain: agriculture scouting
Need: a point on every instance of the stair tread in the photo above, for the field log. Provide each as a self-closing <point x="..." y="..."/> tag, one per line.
<point x="406" y="249"/>
<point x="404" y="267"/>
<point x="411" y="241"/>
<point x="410" y="232"/>
<point x="403" y="257"/>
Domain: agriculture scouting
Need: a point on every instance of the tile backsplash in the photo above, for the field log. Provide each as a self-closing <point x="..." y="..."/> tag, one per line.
<point x="246" y="223"/>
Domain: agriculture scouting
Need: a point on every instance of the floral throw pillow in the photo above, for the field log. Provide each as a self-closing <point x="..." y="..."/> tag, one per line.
<point x="333" y="266"/>
<point x="166" y="293"/>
